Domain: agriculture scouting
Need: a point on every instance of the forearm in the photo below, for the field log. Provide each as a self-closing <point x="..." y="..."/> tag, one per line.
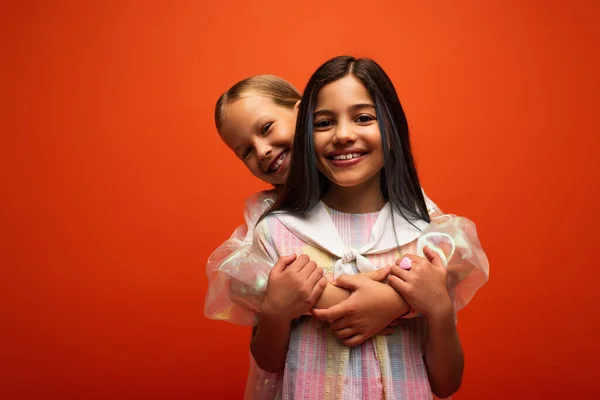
<point x="331" y="296"/>
<point x="334" y="295"/>
<point x="396" y="301"/>
<point x="270" y="343"/>
<point x="443" y="355"/>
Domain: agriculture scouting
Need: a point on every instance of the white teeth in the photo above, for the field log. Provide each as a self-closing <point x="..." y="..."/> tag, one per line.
<point x="279" y="161"/>
<point x="346" y="156"/>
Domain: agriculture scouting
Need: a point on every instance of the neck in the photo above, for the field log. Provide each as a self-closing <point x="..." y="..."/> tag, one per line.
<point x="360" y="199"/>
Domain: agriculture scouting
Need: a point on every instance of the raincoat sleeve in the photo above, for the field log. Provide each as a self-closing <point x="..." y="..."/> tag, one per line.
<point x="237" y="272"/>
<point x="455" y="239"/>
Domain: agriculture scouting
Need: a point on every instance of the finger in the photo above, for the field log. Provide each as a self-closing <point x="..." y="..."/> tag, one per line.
<point x="398" y="284"/>
<point x="334" y="312"/>
<point x="404" y="263"/>
<point x="299" y="263"/>
<point x="283" y="262"/>
<point x="308" y="269"/>
<point x="350" y="282"/>
<point x="400" y="273"/>
<point x="433" y="257"/>
<point x="354" y="340"/>
<point x="378" y="275"/>
<point x="344" y="333"/>
<point x="415" y="259"/>
<point x="317" y="291"/>
<point x="315" y="277"/>
<point x="340" y="323"/>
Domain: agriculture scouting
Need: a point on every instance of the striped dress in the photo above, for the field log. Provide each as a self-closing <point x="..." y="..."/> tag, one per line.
<point x="318" y="366"/>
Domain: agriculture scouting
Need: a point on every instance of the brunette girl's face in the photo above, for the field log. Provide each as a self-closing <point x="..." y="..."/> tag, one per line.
<point x="261" y="134"/>
<point x="346" y="134"/>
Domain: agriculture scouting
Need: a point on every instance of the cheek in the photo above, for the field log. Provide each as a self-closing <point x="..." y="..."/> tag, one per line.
<point x="285" y="135"/>
<point x="252" y="166"/>
<point x="318" y="155"/>
<point x="376" y="144"/>
<point x="320" y="144"/>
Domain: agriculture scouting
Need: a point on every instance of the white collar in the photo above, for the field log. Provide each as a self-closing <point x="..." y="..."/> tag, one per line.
<point x="315" y="227"/>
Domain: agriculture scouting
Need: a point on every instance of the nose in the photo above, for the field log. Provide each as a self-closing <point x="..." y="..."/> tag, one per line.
<point x="343" y="133"/>
<point x="263" y="150"/>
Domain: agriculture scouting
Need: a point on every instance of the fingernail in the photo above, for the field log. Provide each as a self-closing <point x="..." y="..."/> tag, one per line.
<point x="405" y="263"/>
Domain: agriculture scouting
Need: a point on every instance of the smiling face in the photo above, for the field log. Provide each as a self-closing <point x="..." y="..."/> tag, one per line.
<point x="346" y="134"/>
<point x="261" y="134"/>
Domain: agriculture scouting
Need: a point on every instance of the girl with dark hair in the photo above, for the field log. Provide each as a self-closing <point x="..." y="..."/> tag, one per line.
<point x="256" y="118"/>
<point x="353" y="204"/>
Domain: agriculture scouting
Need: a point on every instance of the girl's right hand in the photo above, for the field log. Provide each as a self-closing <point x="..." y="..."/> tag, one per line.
<point x="294" y="286"/>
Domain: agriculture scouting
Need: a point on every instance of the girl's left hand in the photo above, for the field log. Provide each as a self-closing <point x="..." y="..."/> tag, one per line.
<point x="371" y="307"/>
<point x="423" y="284"/>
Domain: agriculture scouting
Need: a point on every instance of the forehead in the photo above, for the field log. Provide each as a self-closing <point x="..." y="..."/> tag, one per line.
<point x="240" y="117"/>
<point x="342" y="93"/>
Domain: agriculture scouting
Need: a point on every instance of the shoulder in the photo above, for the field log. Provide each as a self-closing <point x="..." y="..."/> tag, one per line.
<point x="272" y="228"/>
<point x="268" y="234"/>
<point x="268" y="224"/>
<point x="259" y="202"/>
<point x="431" y="205"/>
<point x="255" y="206"/>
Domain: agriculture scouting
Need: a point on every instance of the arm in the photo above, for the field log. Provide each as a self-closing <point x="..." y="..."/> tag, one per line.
<point x="425" y="288"/>
<point x="236" y="274"/>
<point x="443" y="353"/>
<point x="294" y="285"/>
<point x="331" y="296"/>
<point x="234" y="291"/>
<point x="270" y="339"/>
<point x="335" y="294"/>
<point x="468" y="270"/>
<point x="371" y="307"/>
<point x="456" y="239"/>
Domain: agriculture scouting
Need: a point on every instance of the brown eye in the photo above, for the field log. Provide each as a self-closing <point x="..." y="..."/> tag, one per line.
<point x="265" y="128"/>
<point x="324" y="123"/>
<point x="363" y="119"/>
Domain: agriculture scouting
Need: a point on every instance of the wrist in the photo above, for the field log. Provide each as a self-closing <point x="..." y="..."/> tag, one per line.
<point x="442" y="313"/>
<point x="397" y="303"/>
<point x="273" y="314"/>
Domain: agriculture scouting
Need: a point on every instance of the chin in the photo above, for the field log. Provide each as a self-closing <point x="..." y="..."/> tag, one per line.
<point x="348" y="182"/>
<point x="277" y="181"/>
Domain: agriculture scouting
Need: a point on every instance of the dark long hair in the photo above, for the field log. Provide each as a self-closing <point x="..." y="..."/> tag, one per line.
<point x="399" y="181"/>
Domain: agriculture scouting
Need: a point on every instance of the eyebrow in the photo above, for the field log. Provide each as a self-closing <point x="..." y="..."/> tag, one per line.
<point x="352" y="108"/>
<point x="258" y="124"/>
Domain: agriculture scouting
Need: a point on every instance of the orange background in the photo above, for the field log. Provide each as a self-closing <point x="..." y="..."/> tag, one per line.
<point x="116" y="187"/>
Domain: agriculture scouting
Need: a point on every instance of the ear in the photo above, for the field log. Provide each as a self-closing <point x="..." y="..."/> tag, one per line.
<point x="297" y="106"/>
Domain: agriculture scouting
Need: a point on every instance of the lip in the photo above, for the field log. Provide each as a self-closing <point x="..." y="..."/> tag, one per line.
<point x="345" y="151"/>
<point x="283" y="165"/>
<point x="346" y="163"/>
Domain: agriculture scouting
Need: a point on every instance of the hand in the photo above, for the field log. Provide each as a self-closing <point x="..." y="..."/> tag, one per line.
<point x="294" y="285"/>
<point x="445" y="247"/>
<point x="333" y="295"/>
<point x="370" y="308"/>
<point x="391" y="328"/>
<point x="423" y="284"/>
<point x="378" y="275"/>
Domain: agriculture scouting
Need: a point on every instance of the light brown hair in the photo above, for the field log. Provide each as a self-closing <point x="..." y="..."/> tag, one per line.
<point x="278" y="90"/>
